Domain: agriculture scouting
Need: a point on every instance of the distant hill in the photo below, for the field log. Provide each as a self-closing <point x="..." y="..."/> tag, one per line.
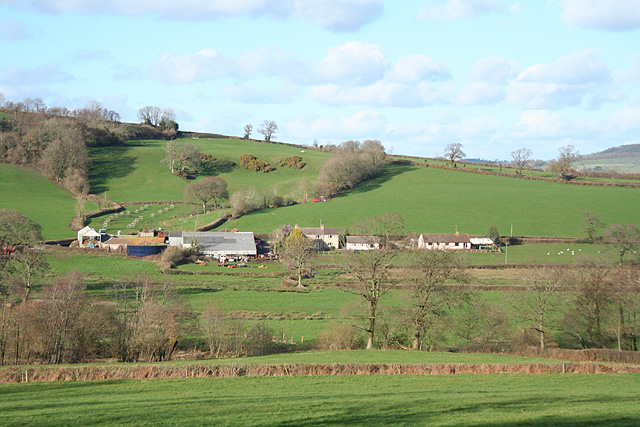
<point x="623" y="159"/>
<point x="631" y="151"/>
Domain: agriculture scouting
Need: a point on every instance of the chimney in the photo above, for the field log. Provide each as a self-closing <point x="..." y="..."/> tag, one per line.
<point x="322" y="228"/>
<point x="457" y="233"/>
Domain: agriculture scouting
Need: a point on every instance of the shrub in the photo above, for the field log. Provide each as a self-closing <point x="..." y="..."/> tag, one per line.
<point x="249" y="161"/>
<point x="295" y="162"/>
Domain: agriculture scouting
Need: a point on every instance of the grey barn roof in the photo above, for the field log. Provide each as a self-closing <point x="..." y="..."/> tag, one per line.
<point x="446" y="238"/>
<point x="240" y="243"/>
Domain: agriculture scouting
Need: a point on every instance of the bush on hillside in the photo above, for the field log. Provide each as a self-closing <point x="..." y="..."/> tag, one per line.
<point x="250" y="162"/>
<point x="294" y="162"/>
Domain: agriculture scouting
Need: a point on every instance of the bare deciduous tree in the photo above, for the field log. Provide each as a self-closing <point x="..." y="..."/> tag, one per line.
<point x="268" y="129"/>
<point x="521" y="159"/>
<point x="624" y="238"/>
<point x="298" y="250"/>
<point x="248" y="128"/>
<point x="535" y="305"/>
<point x="454" y="152"/>
<point x="561" y="166"/>
<point x="428" y="295"/>
<point x="211" y="188"/>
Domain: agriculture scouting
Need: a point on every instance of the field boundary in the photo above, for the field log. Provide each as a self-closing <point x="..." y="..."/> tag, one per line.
<point x="200" y="370"/>
<point x="512" y="175"/>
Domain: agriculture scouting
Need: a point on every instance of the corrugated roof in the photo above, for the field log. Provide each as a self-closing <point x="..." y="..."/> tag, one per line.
<point x="221" y="241"/>
<point x="446" y="238"/>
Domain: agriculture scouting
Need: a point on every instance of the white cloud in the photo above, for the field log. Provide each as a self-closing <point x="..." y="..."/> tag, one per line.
<point x="254" y="95"/>
<point x="380" y="94"/>
<point x="480" y="93"/>
<point x="416" y="68"/>
<point x="338" y="15"/>
<point x="494" y="69"/>
<point x="617" y="15"/>
<point x="575" y="69"/>
<point x="454" y="10"/>
<point x="567" y="82"/>
<point x="201" y="66"/>
<point x="353" y="63"/>
<point x="362" y="125"/>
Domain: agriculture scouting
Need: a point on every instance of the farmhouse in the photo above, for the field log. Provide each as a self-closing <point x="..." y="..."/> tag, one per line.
<point x="444" y="241"/>
<point x="324" y="237"/>
<point x="362" y="243"/>
<point x="217" y="244"/>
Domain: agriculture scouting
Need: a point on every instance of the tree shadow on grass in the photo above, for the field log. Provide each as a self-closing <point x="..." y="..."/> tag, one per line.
<point x="387" y="173"/>
<point x="216" y="167"/>
<point x="109" y="163"/>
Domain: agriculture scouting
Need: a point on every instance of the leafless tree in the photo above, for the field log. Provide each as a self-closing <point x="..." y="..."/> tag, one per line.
<point x="371" y="269"/>
<point x="627" y="300"/>
<point x="535" y="305"/>
<point x="429" y="298"/>
<point x="268" y="129"/>
<point x="298" y="250"/>
<point x="561" y="166"/>
<point x="624" y="238"/>
<point x="248" y="128"/>
<point x="521" y="159"/>
<point x="211" y="188"/>
<point x="454" y="152"/>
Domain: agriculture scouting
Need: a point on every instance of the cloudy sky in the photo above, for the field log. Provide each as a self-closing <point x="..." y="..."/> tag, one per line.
<point x="417" y="75"/>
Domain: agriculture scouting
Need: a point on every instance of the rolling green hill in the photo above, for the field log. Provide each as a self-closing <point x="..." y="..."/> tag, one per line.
<point x="429" y="199"/>
<point x="27" y="191"/>
<point x="435" y="200"/>
<point x="135" y="172"/>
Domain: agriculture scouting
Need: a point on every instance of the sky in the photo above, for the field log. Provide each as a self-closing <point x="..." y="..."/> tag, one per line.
<point x="493" y="75"/>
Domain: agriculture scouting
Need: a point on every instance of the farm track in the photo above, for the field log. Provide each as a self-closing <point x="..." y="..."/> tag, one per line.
<point x="200" y="370"/>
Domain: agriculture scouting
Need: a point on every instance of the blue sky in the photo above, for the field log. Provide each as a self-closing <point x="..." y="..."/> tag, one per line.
<point x="417" y="75"/>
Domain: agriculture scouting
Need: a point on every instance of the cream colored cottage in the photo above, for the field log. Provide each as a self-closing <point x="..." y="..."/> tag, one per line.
<point x="325" y="237"/>
<point x="454" y="242"/>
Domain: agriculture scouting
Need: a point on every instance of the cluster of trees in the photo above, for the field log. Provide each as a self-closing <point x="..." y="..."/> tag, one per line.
<point x="249" y="161"/>
<point x="352" y="163"/>
<point x="208" y="189"/>
<point x="252" y="199"/>
<point x="93" y="111"/>
<point x="56" y="146"/>
<point x="267" y="129"/>
<point x="163" y="119"/>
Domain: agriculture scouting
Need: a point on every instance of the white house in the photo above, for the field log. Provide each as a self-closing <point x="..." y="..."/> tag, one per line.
<point x="362" y="243"/>
<point x="454" y="242"/>
<point x="324" y="237"/>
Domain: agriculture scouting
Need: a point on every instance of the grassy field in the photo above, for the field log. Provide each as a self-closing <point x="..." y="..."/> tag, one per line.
<point x="471" y="400"/>
<point x="438" y="201"/>
<point x="134" y="172"/>
<point x="617" y="165"/>
<point x="30" y="193"/>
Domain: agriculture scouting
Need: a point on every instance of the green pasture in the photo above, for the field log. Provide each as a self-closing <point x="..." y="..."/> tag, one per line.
<point x="439" y="201"/>
<point x="451" y="400"/>
<point x="134" y="172"/>
<point x="621" y="165"/>
<point x="27" y="191"/>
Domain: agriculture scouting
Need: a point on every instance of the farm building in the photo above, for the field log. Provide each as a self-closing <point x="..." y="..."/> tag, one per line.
<point x="444" y="241"/>
<point x="88" y="236"/>
<point x="324" y="237"/>
<point x="219" y="243"/>
<point x="123" y="242"/>
<point x="481" y="242"/>
<point x="361" y="243"/>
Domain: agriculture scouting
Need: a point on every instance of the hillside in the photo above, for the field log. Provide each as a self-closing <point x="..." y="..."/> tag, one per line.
<point x="622" y="159"/>
<point x="134" y="172"/>
<point x="429" y="199"/>
<point x="435" y="200"/>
